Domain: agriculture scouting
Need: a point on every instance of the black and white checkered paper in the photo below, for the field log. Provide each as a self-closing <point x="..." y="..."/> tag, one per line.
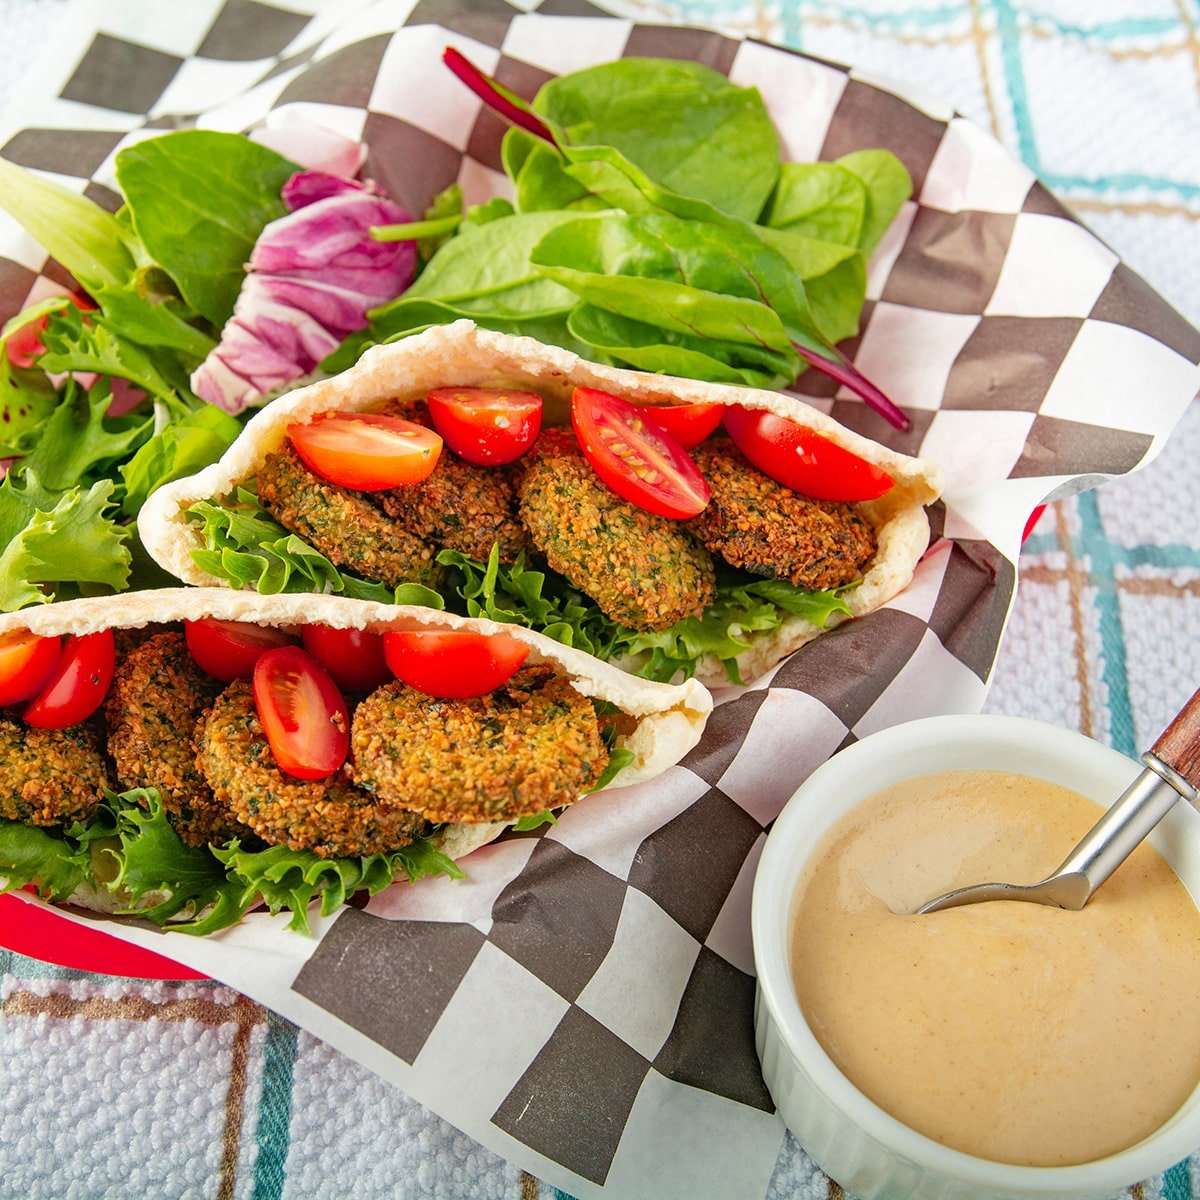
<point x="582" y="1003"/>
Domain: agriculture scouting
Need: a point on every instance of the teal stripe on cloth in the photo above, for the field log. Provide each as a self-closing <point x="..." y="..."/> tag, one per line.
<point x="20" y="967"/>
<point x="1177" y="1183"/>
<point x="273" y="1133"/>
<point x="1014" y="79"/>
<point x="1120" y="183"/>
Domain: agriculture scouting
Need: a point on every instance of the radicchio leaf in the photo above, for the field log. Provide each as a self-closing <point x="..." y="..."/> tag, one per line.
<point x="311" y="279"/>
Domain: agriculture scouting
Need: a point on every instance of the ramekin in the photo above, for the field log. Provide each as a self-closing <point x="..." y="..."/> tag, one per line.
<point x="853" y="1140"/>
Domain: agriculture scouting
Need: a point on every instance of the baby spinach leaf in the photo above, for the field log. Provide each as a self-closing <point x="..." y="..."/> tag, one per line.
<point x="682" y="122"/>
<point x="198" y="200"/>
<point x="888" y="185"/>
<point x="820" y="200"/>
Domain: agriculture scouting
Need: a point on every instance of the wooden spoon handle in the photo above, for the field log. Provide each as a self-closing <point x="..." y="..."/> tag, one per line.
<point x="1179" y="744"/>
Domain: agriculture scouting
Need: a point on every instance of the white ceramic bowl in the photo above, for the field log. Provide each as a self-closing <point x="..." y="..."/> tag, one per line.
<point x="853" y="1140"/>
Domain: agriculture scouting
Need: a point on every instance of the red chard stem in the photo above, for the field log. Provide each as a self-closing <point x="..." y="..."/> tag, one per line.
<point x="495" y="95"/>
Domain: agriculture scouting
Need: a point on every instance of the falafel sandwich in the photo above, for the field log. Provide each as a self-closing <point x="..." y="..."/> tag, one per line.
<point x="677" y="528"/>
<point x="185" y="754"/>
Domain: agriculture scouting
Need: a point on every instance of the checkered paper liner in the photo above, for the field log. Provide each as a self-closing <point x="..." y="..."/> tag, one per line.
<point x="582" y="1004"/>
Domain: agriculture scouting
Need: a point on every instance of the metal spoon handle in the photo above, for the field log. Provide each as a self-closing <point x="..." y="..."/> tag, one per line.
<point x="1173" y="770"/>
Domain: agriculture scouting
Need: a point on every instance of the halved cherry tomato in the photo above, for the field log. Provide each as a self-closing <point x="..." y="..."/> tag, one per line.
<point x="486" y="426"/>
<point x="688" y="424"/>
<point x="453" y="663"/>
<point x="25" y="344"/>
<point x="78" y="684"/>
<point x="228" y="650"/>
<point x="302" y="713"/>
<point x="640" y="462"/>
<point x="352" y="656"/>
<point x="26" y="663"/>
<point x="366" y="451"/>
<point x="802" y="460"/>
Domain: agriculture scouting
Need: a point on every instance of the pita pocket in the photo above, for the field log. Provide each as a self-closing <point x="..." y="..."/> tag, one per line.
<point x="121" y="852"/>
<point x="463" y="355"/>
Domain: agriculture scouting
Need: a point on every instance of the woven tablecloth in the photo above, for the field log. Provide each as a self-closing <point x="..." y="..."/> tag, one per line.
<point x="118" y="1089"/>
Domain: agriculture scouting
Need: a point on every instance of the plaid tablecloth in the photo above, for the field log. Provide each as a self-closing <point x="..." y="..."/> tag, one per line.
<point x="111" y="1088"/>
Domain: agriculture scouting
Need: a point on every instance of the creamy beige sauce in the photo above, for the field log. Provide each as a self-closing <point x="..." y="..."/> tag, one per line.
<point x="1012" y="1031"/>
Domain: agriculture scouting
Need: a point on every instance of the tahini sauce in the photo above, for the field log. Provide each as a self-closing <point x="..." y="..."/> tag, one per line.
<point x="1012" y="1031"/>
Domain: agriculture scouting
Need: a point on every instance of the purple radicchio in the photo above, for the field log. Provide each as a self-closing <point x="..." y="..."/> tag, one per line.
<point x="311" y="278"/>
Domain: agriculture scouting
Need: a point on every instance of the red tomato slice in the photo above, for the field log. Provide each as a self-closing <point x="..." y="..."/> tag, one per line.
<point x="78" y="684"/>
<point x="802" y="460"/>
<point x="352" y="656"/>
<point x="486" y="426"/>
<point x="26" y="664"/>
<point x="453" y="663"/>
<point x="302" y="713"/>
<point x="228" y="650"/>
<point x="25" y="345"/>
<point x="640" y="462"/>
<point x="688" y="424"/>
<point x="366" y="451"/>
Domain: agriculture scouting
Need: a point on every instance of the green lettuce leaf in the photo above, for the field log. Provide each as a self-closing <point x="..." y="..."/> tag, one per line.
<point x="162" y="879"/>
<point x="293" y="879"/>
<point x="246" y="547"/>
<point x="57" y="538"/>
<point x="181" y="448"/>
<point x="55" y="864"/>
<point x="76" y="441"/>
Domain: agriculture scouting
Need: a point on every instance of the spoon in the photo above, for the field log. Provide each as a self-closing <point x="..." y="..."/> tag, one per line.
<point x="1172" y="770"/>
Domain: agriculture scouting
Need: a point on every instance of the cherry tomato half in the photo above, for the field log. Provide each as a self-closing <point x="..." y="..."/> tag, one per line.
<point x="366" y="451"/>
<point x="640" y="462"/>
<point x="688" y="424"/>
<point x="802" y="460"/>
<point x="78" y="685"/>
<point x="26" y="663"/>
<point x="352" y="656"/>
<point x="25" y="344"/>
<point x="486" y="426"/>
<point x="302" y="713"/>
<point x="228" y="650"/>
<point x="453" y="663"/>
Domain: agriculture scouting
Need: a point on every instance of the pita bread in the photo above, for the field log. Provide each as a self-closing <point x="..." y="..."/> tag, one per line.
<point x="666" y="720"/>
<point x="463" y="355"/>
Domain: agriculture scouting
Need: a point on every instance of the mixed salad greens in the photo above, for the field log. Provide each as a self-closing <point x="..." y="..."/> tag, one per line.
<point x="653" y="225"/>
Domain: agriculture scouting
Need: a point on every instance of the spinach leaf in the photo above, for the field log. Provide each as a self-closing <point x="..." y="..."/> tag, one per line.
<point x="693" y="278"/>
<point x="820" y="200"/>
<point x="198" y="200"/>
<point x="835" y="279"/>
<point x="888" y="185"/>
<point x="682" y="122"/>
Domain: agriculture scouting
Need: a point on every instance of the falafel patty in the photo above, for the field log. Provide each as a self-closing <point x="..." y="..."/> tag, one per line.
<point x="765" y="528"/>
<point x="344" y="525"/>
<point x="459" y="505"/>
<point x="49" y="776"/>
<point x="642" y="570"/>
<point x="533" y="743"/>
<point x="158" y="693"/>
<point x="330" y="817"/>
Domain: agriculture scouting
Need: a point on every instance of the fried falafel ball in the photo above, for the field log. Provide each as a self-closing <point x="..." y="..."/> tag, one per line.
<point x="158" y="693"/>
<point x="344" y="525"/>
<point x="330" y="817"/>
<point x="533" y="743"/>
<point x="765" y="528"/>
<point x="464" y="507"/>
<point x="642" y="570"/>
<point x="49" y="776"/>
